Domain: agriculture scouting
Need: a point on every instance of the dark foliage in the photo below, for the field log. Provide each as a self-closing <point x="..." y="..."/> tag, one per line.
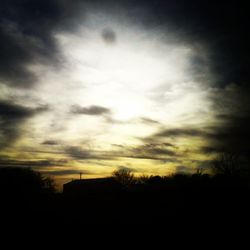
<point x="194" y="200"/>
<point x="24" y="181"/>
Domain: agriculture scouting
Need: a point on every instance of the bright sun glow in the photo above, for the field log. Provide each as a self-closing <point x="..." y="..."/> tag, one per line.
<point x="124" y="74"/>
<point x="126" y="83"/>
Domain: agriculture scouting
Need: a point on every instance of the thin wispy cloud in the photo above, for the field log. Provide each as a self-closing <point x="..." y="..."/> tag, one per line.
<point x="91" y="110"/>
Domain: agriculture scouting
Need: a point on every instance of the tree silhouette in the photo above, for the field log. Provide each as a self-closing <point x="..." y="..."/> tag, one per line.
<point x="227" y="164"/>
<point x="25" y="181"/>
<point x="124" y="176"/>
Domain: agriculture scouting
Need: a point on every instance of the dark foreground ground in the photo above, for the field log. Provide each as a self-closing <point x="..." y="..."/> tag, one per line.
<point x="181" y="205"/>
<point x="184" y="207"/>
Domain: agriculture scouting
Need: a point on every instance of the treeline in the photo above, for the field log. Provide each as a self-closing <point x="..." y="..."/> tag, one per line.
<point x="28" y="197"/>
<point x="226" y="170"/>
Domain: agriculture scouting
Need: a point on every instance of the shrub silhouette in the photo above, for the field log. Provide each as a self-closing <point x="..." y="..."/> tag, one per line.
<point x="24" y="181"/>
<point x="143" y="179"/>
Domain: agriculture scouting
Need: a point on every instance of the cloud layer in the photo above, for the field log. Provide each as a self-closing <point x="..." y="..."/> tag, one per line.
<point x="154" y="86"/>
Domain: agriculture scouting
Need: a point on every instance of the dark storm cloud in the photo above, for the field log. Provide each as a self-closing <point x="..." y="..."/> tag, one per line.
<point x="167" y="144"/>
<point x="233" y="115"/>
<point x="90" y="110"/>
<point x="157" y="152"/>
<point x="234" y="136"/>
<point x="51" y="142"/>
<point x="221" y="25"/>
<point x="164" y="152"/>
<point x="230" y="135"/>
<point x="27" y="31"/>
<point x="12" y="117"/>
<point x="14" y="111"/>
<point x="109" y="36"/>
<point x="78" y="153"/>
<point x="153" y="150"/>
<point x="209" y="150"/>
<point x="7" y="162"/>
<point x="181" y="132"/>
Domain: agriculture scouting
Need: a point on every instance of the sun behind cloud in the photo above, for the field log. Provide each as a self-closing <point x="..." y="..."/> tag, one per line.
<point x="120" y="85"/>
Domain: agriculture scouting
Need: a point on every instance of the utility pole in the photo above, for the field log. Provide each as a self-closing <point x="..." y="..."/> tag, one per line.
<point x="80" y="175"/>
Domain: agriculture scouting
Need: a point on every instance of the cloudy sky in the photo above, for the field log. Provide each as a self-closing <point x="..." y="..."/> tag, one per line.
<point x="92" y="86"/>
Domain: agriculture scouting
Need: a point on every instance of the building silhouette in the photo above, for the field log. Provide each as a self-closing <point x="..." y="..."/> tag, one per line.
<point x="94" y="186"/>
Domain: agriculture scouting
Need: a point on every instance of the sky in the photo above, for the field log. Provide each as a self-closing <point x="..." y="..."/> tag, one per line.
<point x="156" y="87"/>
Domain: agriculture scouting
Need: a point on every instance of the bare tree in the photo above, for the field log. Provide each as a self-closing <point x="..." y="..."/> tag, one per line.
<point x="227" y="164"/>
<point x="49" y="184"/>
<point x="124" y="177"/>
